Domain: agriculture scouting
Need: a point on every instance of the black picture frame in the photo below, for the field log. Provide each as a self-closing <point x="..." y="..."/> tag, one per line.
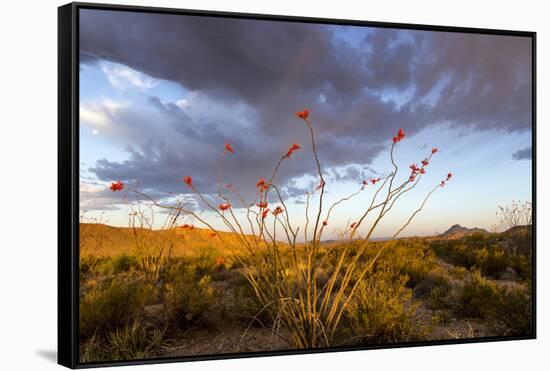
<point x="68" y="178"/>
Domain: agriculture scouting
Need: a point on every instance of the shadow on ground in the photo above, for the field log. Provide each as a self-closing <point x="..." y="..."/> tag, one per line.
<point x="50" y="355"/>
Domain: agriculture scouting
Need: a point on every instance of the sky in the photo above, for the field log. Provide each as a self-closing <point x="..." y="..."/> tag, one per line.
<point x="161" y="94"/>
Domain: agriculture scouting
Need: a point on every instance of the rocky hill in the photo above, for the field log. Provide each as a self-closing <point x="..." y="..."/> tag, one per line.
<point x="457" y="231"/>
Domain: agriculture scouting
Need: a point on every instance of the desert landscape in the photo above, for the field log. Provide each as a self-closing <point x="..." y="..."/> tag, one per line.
<point x="164" y="287"/>
<point x="464" y="283"/>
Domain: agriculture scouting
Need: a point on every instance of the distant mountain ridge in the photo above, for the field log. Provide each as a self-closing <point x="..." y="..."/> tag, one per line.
<point x="102" y="240"/>
<point x="457" y="231"/>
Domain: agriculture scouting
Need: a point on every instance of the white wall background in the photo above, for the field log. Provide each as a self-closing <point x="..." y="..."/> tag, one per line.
<point x="28" y="181"/>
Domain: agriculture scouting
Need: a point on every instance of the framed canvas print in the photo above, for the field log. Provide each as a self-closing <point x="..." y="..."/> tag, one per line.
<point x="236" y="185"/>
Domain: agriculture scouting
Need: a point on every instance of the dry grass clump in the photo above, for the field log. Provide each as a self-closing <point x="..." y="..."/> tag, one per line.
<point x="132" y="341"/>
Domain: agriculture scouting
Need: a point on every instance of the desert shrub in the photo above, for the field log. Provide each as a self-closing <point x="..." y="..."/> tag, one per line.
<point x="112" y="304"/>
<point x="123" y="263"/>
<point x="152" y="249"/>
<point x="491" y="260"/>
<point x="243" y="305"/>
<point x="477" y="240"/>
<point x="382" y="311"/>
<point x="411" y="258"/>
<point x="516" y="221"/>
<point x="481" y="252"/>
<point x="508" y="309"/>
<point x="458" y="273"/>
<point x="206" y="260"/>
<point x="87" y="265"/>
<point x="522" y="264"/>
<point x="479" y="297"/>
<point x="133" y="341"/>
<point x="455" y="252"/>
<point x="439" y="296"/>
<point x="93" y="350"/>
<point x="515" y="315"/>
<point x="442" y="317"/>
<point x="188" y="296"/>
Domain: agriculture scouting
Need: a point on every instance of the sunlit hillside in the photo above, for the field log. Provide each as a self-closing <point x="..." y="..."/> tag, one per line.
<point x="102" y="240"/>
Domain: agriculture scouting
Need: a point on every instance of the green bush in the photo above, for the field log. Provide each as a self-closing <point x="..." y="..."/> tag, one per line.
<point x="205" y="262"/>
<point x="123" y="263"/>
<point x="382" y="311"/>
<point x="491" y="260"/>
<point x="522" y="264"/>
<point x="516" y="313"/>
<point x="455" y="252"/>
<point x="439" y="297"/>
<point x="112" y="304"/>
<point x="188" y="296"/>
<point x="412" y="258"/>
<point x="483" y="253"/>
<point x="479" y="298"/>
<point x="508" y="309"/>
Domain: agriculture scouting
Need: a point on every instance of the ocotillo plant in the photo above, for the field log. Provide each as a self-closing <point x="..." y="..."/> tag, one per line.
<point x="284" y="273"/>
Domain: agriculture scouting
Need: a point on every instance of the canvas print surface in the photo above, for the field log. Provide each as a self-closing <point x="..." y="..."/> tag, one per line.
<point x="260" y="185"/>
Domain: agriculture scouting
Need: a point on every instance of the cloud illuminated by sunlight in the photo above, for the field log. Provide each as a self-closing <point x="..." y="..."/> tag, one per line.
<point x="125" y="78"/>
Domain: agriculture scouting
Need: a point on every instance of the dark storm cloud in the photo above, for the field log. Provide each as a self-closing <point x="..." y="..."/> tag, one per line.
<point x="228" y="58"/>
<point x="523" y="154"/>
<point x="358" y="95"/>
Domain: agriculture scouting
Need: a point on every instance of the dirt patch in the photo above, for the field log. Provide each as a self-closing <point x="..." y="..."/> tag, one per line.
<point x="228" y="340"/>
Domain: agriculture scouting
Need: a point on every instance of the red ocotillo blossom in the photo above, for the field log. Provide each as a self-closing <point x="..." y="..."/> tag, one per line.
<point x="264" y="213"/>
<point x="422" y="171"/>
<point x="375" y="180"/>
<point x="188" y="180"/>
<point x="224" y="207"/>
<point x="400" y="133"/>
<point x="425" y="162"/>
<point x="303" y="114"/>
<point x="117" y="186"/>
<point x="353" y="225"/>
<point x="325" y="223"/>
<point x="228" y="148"/>
<point x="291" y="150"/>
<point x="434" y="150"/>
<point x="399" y="137"/>
<point x="262" y="185"/>
<point x="449" y="176"/>
<point x="414" y="168"/>
<point x="262" y="205"/>
<point x="365" y="182"/>
<point x="277" y="210"/>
